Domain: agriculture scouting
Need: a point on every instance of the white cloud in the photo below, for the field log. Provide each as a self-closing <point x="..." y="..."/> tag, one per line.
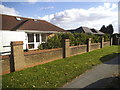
<point x="119" y="16"/>
<point x="93" y="17"/>
<point x="45" y="8"/>
<point x="46" y="17"/>
<point x="8" y="11"/>
<point x="107" y="5"/>
<point x="32" y="1"/>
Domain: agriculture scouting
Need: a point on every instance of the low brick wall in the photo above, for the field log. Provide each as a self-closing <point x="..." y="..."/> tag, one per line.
<point x="95" y="46"/>
<point x="78" y="49"/>
<point x="38" y="56"/>
<point x="107" y="43"/>
<point x="5" y="61"/>
<point x="35" y="57"/>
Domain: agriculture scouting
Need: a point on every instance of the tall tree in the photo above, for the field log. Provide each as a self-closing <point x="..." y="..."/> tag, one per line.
<point x="109" y="29"/>
<point x="103" y="29"/>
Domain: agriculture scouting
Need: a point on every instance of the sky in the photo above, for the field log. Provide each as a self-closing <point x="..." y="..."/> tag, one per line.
<point x="119" y="17"/>
<point x="67" y="15"/>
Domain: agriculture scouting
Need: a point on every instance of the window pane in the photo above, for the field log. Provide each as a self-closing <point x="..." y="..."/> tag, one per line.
<point x="43" y="37"/>
<point x="37" y="38"/>
<point x="31" y="46"/>
<point x="30" y="37"/>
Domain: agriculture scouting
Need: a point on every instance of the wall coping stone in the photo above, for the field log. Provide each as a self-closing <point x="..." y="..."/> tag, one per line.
<point x="40" y="51"/>
<point x="16" y="43"/>
<point x="107" y="42"/>
<point x="95" y="43"/>
<point x="77" y="46"/>
<point x="5" y="57"/>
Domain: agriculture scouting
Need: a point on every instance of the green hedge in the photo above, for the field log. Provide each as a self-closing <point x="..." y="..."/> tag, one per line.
<point x="75" y="39"/>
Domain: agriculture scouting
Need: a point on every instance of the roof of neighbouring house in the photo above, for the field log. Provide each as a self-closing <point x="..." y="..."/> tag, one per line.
<point x="14" y="23"/>
<point x="71" y="30"/>
<point x="86" y="30"/>
<point x="96" y="31"/>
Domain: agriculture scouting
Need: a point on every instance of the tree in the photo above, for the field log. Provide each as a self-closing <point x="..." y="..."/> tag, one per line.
<point x="109" y="29"/>
<point x="103" y="29"/>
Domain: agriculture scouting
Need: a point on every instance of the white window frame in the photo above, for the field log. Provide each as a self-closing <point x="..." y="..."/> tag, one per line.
<point x="35" y="43"/>
<point x="45" y="38"/>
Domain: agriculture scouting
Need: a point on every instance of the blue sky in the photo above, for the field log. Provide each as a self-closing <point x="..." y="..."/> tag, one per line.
<point x="44" y="8"/>
<point x="67" y="15"/>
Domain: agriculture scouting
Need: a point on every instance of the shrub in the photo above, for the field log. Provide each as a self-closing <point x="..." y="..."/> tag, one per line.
<point x="75" y="39"/>
<point x="43" y="46"/>
<point x="106" y="37"/>
<point x="53" y="42"/>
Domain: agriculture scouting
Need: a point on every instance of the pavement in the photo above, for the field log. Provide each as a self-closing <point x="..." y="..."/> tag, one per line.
<point x="97" y="77"/>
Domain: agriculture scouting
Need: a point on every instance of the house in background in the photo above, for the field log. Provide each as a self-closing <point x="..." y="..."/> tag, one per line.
<point x="86" y="30"/>
<point x="31" y="31"/>
<point x="96" y="32"/>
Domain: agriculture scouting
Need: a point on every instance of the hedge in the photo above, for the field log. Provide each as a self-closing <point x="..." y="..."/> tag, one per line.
<point x="75" y="39"/>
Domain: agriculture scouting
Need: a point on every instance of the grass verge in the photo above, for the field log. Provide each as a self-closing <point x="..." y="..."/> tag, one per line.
<point x="57" y="73"/>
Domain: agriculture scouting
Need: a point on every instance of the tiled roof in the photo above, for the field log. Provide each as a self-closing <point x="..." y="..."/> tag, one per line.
<point x="19" y="23"/>
<point x="96" y="31"/>
<point x="87" y="30"/>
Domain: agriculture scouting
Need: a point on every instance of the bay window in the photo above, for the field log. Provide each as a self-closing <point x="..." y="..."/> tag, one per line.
<point x="43" y="37"/>
<point x="30" y="37"/>
<point x="34" y="39"/>
<point x="37" y="38"/>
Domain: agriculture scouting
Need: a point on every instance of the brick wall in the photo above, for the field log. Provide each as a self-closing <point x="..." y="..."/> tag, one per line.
<point x="42" y="55"/>
<point x="77" y="49"/>
<point x="5" y="60"/>
<point x="39" y="56"/>
<point x="106" y="43"/>
<point x="95" y="46"/>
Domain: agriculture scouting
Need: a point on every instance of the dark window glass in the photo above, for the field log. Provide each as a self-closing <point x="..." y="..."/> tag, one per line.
<point x="30" y="37"/>
<point x="43" y="37"/>
<point x="37" y="38"/>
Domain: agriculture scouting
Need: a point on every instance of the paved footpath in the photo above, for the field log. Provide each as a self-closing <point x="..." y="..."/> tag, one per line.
<point x="97" y="77"/>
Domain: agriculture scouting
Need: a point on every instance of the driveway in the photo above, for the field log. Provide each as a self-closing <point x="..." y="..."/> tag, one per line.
<point x="97" y="77"/>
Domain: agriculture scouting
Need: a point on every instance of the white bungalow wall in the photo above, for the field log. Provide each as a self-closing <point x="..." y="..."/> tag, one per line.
<point x="7" y="36"/>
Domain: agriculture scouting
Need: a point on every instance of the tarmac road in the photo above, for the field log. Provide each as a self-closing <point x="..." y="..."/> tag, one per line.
<point x="97" y="77"/>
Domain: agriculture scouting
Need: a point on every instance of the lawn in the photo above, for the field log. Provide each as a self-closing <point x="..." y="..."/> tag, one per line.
<point x="55" y="74"/>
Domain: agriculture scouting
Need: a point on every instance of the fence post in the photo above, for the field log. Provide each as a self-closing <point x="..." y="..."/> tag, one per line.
<point x="111" y="41"/>
<point x="66" y="49"/>
<point x="101" y="42"/>
<point x="17" y="60"/>
<point x="88" y="44"/>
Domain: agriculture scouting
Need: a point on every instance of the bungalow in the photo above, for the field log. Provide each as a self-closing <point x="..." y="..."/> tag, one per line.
<point x="31" y="31"/>
<point x="86" y="30"/>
